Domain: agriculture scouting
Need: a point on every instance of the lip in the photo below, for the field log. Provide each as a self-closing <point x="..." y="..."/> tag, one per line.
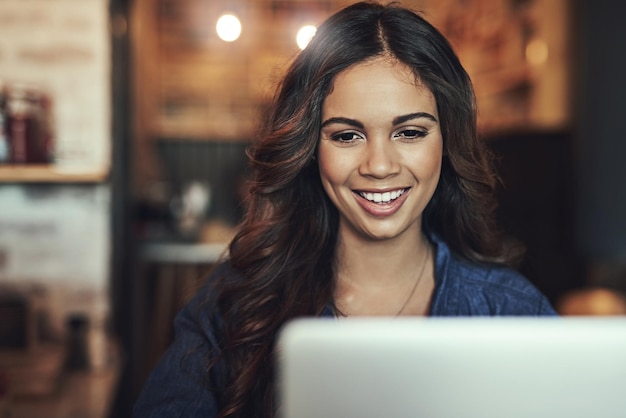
<point x="381" y="209"/>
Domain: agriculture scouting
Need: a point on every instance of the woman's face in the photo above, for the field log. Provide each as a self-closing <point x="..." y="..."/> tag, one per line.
<point x="380" y="149"/>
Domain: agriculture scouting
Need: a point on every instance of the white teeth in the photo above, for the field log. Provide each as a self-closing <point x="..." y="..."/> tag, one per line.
<point x="385" y="197"/>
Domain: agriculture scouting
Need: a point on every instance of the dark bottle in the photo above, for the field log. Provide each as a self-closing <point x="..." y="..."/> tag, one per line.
<point x="4" y="140"/>
<point x="77" y="354"/>
<point x="29" y="125"/>
<point x="37" y="141"/>
<point x="20" y="124"/>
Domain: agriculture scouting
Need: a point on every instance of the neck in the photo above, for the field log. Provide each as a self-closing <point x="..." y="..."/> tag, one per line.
<point x="380" y="263"/>
<point x="387" y="278"/>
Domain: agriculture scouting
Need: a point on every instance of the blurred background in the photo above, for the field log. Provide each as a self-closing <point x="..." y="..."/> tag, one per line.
<point x="123" y="129"/>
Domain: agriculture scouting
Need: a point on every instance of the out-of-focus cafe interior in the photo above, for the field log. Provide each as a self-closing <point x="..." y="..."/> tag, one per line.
<point x="123" y="131"/>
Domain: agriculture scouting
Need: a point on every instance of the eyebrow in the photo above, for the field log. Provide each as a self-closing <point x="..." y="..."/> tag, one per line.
<point x="344" y="121"/>
<point x="396" y="121"/>
<point x="418" y="115"/>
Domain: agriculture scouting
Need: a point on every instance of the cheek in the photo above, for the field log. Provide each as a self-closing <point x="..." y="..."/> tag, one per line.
<point x="331" y="166"/>
<point x="432" y="166"/>
<point x="427" y="164"/>
<point x="435" y="171"/>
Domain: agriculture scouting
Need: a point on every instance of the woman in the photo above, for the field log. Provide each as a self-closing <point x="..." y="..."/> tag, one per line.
<point x="371" y="195"/>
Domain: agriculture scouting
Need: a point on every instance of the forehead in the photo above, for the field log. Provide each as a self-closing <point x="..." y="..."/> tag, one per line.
<point x="380" y="84"/>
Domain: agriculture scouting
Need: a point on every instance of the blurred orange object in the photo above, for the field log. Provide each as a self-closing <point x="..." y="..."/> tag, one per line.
<point x="592" y="301"/>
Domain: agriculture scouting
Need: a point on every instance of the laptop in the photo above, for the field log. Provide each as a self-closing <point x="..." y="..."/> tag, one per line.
<point x="568" y="367"/>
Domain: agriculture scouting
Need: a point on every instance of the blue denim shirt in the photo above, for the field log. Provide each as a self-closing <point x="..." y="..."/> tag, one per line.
<point x="179" y="386"/>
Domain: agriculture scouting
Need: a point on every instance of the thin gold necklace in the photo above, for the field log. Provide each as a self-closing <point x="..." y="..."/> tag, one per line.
<point x="417" y="281"/>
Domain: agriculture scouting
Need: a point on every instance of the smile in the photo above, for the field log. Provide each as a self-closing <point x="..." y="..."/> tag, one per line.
<point x="383" y="198"/>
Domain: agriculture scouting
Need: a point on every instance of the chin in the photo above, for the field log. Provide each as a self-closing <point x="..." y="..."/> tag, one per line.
<point x="382" y="235"/>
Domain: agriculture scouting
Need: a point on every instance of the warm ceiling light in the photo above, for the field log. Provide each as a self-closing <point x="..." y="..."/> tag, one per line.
<point x="305" y="34"/>
<point x="537" y="52"/>
<point x="228" y="28"/>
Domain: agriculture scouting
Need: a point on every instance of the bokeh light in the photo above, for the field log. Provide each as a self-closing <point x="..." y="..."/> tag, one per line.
<point x="305" y="34"/>
<point x="228" y="28"/>
<point x="537" y="52"/>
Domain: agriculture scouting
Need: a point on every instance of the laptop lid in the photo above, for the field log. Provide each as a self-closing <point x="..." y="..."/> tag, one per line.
<point x="452" y="368"/>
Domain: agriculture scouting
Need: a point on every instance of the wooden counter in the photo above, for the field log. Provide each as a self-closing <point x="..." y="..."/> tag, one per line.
<point x="84" y="394"/>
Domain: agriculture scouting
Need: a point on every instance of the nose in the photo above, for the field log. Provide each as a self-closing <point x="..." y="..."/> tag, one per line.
<point x="380" y="158"/>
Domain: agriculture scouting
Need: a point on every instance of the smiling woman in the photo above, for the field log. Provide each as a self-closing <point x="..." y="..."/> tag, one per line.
<point x="370" y="195"/>
<point x="390" y="144"/>
<point x="380" y="154"/>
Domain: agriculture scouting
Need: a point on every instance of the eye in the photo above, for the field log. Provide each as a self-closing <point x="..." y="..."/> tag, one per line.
<point x="409" y="135"/>
<point x="347" y="137"/>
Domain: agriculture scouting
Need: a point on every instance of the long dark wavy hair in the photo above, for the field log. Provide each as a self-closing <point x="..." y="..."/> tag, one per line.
<point x="285" y="246"/>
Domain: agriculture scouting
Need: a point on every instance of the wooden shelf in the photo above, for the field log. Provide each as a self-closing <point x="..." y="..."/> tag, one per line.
<point x="49" y="174"/>
<point x="178" y="253"/>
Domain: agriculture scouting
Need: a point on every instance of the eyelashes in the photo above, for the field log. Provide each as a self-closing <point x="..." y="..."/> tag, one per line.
<point x="348" y="137"/>
<point x="410" y="135"/>
<point x="404" y="135"/>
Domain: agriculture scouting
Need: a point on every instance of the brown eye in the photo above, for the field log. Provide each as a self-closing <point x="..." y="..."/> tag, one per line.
<point x="346" y="137"/>
<point x="410" y="134"/>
